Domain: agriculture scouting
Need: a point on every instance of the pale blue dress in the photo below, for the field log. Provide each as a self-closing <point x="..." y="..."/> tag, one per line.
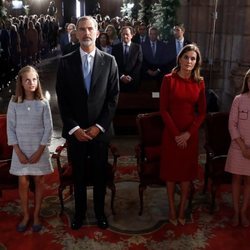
<point x="29" y="124"/>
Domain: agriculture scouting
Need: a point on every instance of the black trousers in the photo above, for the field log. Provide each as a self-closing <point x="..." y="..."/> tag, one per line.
<point x="81" y="154"/>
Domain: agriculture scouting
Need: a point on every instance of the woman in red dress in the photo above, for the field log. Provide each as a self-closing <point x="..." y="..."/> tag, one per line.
<point x="183" y="109"/>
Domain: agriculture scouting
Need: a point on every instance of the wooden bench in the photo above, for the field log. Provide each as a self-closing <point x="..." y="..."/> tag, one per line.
<point x="129" y="106"/>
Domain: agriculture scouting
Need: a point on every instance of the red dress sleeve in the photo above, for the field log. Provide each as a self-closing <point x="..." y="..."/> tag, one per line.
<point x="164" y="106"/>
<point x="201" y="103"/>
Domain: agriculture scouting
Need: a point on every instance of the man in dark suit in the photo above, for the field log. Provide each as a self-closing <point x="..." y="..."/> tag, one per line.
<point x="73" y="45"/>
<point x="175" y="44"/>
<point x="154" y="56"/>
<point x="141" y="35"/>
<point x="129" y="59"/>
<point x="87" y="90"/>
<point x="65" y="36"/>
<point x="5" y="49"/>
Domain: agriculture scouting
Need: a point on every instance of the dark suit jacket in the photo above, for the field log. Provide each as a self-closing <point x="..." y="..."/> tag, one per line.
<point x="63" y="40"/>
<point x="5" y="43"/>
<point x="132" y="67"/>
<point x="159" y="61"/>
<point x="68" y="48"/>
<point x="137" y="39"/>
<point x="109" y="50"/>
<point x="77" y="107"/>
<point x="171" y="52"/>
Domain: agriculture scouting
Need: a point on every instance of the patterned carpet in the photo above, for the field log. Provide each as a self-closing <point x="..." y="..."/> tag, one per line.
<point x="127" y="229"/>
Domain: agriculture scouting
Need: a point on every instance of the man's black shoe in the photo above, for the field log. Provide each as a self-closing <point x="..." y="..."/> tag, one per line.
<point x="102" y="222"/>
<point x="76" y="224"/>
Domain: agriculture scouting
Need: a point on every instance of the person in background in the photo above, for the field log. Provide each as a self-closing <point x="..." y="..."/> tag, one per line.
<point x="52" y="10"/>
<point x="72" y="45"/>
<point x="65" y="36"/>
<point x="29" y="130"/>
<point x="183" y="109"/>
<point x="87" y="90"/>
<point x="103" y="43"/>
<point x="112" y="34"/>
<point x="174" y="45"/>
<point x="154" y="56"/>
<point x="128" y="56"/>
<point x="142" y="35"/>
<point x="10" y="44"/>
<point x="5" y="44"/>
<point x="32" y="42"/>
<point x="238" y="159"/>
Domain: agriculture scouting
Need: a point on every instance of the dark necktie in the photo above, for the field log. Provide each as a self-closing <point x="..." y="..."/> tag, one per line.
<point x="153" y="48"/>
<point x="126" y="49"/>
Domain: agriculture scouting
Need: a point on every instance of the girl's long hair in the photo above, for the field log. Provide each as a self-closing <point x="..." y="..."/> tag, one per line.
<point x="20" y="93"/>
<point x="196" y="70"/>
<point x="245" y="87"/>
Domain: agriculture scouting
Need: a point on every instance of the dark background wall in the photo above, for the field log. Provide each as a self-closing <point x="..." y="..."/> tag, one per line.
<point x="111" y="7"/>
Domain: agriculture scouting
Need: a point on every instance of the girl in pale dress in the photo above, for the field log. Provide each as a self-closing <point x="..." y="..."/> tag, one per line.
<point x="29" y="129"/>
<point x="238" y="160"/>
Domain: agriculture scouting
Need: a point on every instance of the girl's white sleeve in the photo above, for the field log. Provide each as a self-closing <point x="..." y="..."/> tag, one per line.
<point x="11" y="124"/>
<point x="48" y="125"/>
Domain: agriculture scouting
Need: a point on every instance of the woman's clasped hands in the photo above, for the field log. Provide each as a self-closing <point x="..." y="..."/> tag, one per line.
<point x="182" y="139"/>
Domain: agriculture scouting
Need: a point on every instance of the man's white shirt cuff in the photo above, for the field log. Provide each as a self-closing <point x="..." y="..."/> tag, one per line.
<point x="77" y="127"/>
<point x="73" y="130"/>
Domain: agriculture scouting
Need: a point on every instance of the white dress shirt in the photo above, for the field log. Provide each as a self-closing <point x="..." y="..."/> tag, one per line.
<point x="92" y="55"/>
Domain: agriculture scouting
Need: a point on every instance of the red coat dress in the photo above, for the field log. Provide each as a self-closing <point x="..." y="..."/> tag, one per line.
<point x="183" y="108"/>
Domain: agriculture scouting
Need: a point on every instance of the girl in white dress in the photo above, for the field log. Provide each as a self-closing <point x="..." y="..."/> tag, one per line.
<point x="29" y="129"/>
<point x="238" y="160"/>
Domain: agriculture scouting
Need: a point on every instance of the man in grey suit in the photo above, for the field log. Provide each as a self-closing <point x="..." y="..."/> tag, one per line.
<point x="87" y="90"/>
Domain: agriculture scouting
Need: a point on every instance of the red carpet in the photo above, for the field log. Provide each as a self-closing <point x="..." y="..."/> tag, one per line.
<point x="127" y="229"/>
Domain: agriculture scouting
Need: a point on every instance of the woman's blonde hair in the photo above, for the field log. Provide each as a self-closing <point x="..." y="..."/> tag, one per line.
<point x="20" y="93"/>
<point x="114" y="32"/>
<point x="196" y="70"/>
<point x="245" y="87"/>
